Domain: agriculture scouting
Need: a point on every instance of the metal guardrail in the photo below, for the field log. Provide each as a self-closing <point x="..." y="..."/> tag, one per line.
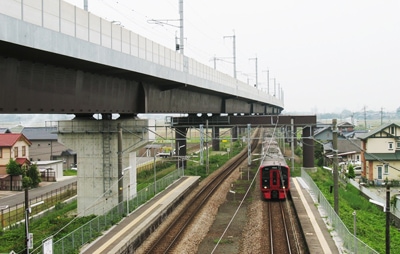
<point x="350" y="242"/>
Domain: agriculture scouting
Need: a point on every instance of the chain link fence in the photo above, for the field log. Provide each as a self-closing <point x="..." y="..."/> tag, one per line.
<point x="349" y="241"/>
<point x="72" y="242"/>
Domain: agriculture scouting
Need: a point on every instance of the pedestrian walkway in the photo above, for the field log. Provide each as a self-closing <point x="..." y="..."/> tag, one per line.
<point x="12" y="198"/>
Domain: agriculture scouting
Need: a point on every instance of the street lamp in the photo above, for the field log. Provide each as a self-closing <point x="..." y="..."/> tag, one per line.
<point x="28" y="236"/>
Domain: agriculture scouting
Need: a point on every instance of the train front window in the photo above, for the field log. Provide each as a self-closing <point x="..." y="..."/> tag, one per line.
<point x="265" y="177"/>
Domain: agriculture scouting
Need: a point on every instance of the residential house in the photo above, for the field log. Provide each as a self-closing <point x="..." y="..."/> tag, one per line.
<point x="12" y="146"/>
<point x="349" y="148"/>
<point x="45" y="146"/>
<point x="4" y="130"/>
<point x="348" y="151"/>
<point x="345" y="131"/>
<point x="381" y="153"/>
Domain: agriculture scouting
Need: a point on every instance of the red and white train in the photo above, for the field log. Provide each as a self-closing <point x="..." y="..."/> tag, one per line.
<point x="274" y="172"/>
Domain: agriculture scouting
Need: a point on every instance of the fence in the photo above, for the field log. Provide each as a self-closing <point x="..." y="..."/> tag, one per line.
<point x="12" y="215"/>
<point x="350" y="242"/>
<point x="91" y="230"/>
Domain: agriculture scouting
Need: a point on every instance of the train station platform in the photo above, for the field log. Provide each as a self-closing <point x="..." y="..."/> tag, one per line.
<point x="143" y="221"/>
<point x="315" y="231"/>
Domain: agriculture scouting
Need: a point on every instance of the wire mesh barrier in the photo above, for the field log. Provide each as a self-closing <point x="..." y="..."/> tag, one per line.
<point x="72" y="242"/>
<point x="13" y="215"/>
<point x="379" y="199"/>
<point x="349" y="241"/>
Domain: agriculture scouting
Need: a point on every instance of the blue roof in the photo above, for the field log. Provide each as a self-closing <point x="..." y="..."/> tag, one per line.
<point x="40" y="133"/>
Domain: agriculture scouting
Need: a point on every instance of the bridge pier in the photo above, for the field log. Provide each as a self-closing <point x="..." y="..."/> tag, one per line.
<point x="181" y="146"/>
<point x="215" y="138"/>
<point x="234" y="133"/>
<point x="308" y="147"/>
<point x="96" y="144"/>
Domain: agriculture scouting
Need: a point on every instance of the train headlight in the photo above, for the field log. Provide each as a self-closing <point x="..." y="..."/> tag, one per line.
<point x="265" y="187"/>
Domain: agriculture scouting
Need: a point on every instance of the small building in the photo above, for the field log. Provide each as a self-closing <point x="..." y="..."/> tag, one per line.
<point x="45" y="146"/>
<point x="50" y="171"/>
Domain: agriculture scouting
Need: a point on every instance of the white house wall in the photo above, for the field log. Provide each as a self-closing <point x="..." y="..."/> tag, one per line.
<point x="380" y="145"/>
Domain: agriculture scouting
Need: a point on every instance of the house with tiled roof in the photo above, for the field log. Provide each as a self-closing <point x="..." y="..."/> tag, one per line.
<point x="12" y="146"/>
<point x="45" y="146"/>
<point x="4" y="130"/>
<point x="380" y="156"/>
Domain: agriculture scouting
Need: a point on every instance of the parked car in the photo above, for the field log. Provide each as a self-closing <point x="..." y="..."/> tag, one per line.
<point x="357" y="170"/>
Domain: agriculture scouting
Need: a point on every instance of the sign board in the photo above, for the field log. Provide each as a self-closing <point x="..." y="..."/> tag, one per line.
<point x="48" y="246"/>
<point x="30" y="241"/>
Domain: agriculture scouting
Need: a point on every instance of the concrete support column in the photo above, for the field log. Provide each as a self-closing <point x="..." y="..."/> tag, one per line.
<point x="180" y="146"/>
<point x="215" y="140"/>
<point x="308" y="147"/>
<point x="234" y="133"/>
<point x="96" y="145"/>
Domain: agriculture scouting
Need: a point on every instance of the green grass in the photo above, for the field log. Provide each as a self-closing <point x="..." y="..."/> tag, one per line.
<point x="52" y="222"/>
<point x="70" y="172"/>
<point x="370" y="220"/>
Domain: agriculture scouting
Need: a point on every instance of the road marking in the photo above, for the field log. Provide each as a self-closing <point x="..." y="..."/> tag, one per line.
<point x="132" y="223"/>
<point x="314" y="223"/>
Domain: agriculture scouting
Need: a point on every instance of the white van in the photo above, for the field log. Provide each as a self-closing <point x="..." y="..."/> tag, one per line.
<point x="357" y="170"/>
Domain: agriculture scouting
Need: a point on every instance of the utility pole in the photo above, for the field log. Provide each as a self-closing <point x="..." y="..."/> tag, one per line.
<point x="120" y="180"/>
<point x="27" y="211"/>
<point x="365" y="117"/>
<point x="207" y="154"/>
<point x="335" y="167"/>
<point x="279" y="90"/>
<point x="181" y="26"/>
<point x="293" y="138"/>
<point x="256" y="70"/>
<point x="267" y="81"/>
<point x="387" y="210"/>
<point x="179" y="46"/>
<point x="234" y="52"/>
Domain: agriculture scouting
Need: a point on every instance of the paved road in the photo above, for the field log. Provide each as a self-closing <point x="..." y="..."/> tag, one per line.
<point x="11" y="198"/>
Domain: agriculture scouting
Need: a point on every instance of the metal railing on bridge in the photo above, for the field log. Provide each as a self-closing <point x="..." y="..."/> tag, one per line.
<point x="67" y="19"/>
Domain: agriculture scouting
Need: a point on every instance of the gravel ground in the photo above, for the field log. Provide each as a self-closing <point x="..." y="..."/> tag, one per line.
<point x="211" y="225"/>
<point x="244" y="232"/>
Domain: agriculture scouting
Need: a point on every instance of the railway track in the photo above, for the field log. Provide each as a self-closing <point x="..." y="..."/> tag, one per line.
<point x="283" y="230"/>
<point x="167" y="240"/>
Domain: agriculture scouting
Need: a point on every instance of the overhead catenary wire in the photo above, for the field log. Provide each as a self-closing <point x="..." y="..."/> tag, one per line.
<point x="241" y="202"/>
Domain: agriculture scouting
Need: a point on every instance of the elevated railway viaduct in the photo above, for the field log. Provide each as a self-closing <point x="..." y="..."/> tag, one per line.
<point x="58" y="59"/>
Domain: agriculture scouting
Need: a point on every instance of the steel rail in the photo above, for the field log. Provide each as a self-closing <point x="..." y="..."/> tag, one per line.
<point x="194" y="205"/>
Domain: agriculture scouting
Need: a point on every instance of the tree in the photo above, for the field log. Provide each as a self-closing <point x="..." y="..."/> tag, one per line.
<point x="33" y="173"/>
<point x="13" y="169"/>
<point x="350" y="173"/>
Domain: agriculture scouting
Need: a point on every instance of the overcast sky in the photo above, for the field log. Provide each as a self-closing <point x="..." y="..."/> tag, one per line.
<point x="326" y="55"/>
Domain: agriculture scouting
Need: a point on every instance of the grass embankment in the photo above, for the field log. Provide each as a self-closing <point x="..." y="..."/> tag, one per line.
<point x="52" y="222"/>
<point x="371" y="220"/>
